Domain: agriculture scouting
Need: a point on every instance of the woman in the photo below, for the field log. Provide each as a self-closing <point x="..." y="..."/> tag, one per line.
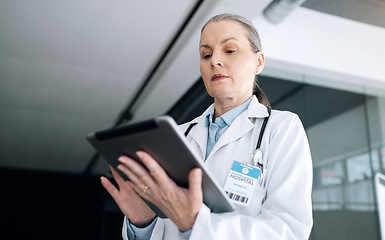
<point x="226" y="134"/>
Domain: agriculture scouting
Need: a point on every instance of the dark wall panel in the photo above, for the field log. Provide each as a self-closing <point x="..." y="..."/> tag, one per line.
<point x="39" y="205"/>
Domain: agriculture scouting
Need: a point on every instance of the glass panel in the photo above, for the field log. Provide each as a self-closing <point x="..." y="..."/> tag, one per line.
<point x="358" y="168"/>
<point x="328" y="174"/>
<point x="382" y="156"/>
<point x="376" y="159"/>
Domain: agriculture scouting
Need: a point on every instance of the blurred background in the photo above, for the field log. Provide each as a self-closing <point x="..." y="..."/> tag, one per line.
<point x="68" y="68"/>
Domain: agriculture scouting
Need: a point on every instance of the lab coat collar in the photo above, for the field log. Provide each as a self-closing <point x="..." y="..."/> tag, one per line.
<point x="256" y="109"/>
<point x="199" y="132"/>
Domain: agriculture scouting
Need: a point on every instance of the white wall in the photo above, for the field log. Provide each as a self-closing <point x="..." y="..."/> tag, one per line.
<point x="316" y="46"/>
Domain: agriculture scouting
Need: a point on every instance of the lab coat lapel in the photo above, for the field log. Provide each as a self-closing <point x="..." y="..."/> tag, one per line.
<point x="199" y="133"/>
<point x="199" y="138"/>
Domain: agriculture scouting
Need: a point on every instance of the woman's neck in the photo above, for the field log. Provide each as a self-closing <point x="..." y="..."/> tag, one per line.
<point x="221" y="106"/>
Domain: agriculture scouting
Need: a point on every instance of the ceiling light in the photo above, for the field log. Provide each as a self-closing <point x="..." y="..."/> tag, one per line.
<point x="278" y="10"/>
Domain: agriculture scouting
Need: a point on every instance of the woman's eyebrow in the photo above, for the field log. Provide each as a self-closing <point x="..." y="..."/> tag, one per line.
<point x="222" y="42"/>
<point x="228" y="39"/>
<point x="204" y="46"/>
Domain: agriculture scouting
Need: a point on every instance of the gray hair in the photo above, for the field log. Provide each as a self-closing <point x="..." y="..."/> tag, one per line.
<point x="254" y="40"/>
<point x="251" y="32"/>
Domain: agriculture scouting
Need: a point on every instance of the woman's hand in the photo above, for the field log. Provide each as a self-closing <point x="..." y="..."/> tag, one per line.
<point x="179" y="204"/>
<point x="132" y="206"/>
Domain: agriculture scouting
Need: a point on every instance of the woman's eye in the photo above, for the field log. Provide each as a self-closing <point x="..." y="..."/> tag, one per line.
<point x="230" y="51"/>
<point x="207" y="56"/>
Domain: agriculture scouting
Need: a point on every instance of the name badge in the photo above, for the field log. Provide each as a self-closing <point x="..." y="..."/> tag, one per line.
<point x="241" y="182"/>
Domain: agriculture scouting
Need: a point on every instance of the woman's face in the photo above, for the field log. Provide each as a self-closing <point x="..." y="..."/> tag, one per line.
<point x="227" y="64"/>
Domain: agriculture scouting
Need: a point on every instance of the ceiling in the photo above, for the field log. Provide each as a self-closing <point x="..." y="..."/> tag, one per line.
<point x="68" y="68"/>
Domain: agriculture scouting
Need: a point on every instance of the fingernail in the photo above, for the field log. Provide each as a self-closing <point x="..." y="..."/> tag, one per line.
<point x="139" y="154"/>
<point x="120" y="167"/>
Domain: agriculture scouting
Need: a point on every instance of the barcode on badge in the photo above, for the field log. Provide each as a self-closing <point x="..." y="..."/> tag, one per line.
<point x="236" y="197"/>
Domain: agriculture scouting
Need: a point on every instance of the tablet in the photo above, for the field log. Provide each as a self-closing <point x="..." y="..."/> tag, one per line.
<point x="161" y="138"/>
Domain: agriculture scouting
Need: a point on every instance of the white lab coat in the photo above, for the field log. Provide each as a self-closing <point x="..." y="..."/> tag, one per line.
<point x="281" y="206"/>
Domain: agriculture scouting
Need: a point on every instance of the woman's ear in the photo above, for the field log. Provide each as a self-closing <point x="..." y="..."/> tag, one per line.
<point x="260" y="64"/>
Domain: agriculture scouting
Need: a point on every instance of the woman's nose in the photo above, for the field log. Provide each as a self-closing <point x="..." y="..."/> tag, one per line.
<point x="216" y="61"/>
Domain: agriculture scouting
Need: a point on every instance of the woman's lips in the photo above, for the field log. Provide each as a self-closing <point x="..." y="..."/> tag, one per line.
<point x="216" y="77"/>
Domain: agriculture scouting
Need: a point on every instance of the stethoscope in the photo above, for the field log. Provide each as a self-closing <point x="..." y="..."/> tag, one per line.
<point x="257" y="156"/>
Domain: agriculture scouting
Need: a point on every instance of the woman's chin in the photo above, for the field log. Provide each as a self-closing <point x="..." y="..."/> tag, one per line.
<point x="223" y="92"/>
